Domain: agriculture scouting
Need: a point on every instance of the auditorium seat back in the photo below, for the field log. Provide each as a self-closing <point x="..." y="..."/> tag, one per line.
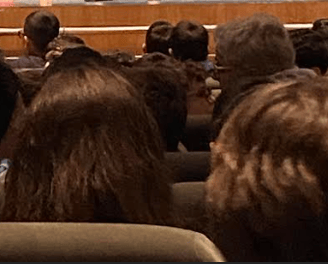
<point x="103" y="242"/>
<point x="189" y="166"/>
<point x="198" y="132"/>
<point x="189" y="204"/>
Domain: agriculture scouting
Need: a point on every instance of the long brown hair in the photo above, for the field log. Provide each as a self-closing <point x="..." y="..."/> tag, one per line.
<point x="89" y="151"/>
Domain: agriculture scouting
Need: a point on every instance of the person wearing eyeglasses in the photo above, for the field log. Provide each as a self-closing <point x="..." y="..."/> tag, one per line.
<point x="251" y="51"/>
<point x="40" y="28"/>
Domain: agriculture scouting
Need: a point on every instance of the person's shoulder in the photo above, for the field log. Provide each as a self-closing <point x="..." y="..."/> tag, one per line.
<point x="26" y="62"/>
<point x="294" y="74"/>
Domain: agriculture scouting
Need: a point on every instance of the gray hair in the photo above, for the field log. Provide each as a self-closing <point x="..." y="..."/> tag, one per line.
<point x="258" y="45"/>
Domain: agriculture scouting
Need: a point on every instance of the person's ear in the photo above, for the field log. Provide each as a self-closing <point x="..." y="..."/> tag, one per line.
<point x="144" y="48"/>
<point x="26" y="41"/>
<point x="316" y="70"/>
<point x="171" y="51"/>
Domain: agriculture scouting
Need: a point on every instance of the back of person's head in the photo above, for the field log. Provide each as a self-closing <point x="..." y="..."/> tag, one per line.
<point x="320" y="24"/>
<point x="64" y="41"/>
<point x="193" y="73"/>
<point x="158" y="36"/>
<point x="298" y="34"/>
<point x="250" y="50"/>
<point x="71" y="39"/>
<point x="89" y="151"/>
<point x="311" y="49"/>
<point x="9" y="87"/>
<point x="164" y="87"/>
<point x="122" y="58"/>
<point x="73" y="58"/>
<point x="41" y="27"/>
<point x="189" y="40"/>
<point x="254" y="46"/>
<point x="269" y="170"/>
<point x="158" y="59"/>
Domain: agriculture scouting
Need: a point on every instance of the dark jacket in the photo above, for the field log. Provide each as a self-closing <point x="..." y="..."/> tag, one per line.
<point x="26" y="62"/>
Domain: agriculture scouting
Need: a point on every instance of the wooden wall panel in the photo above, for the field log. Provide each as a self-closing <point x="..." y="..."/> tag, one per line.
<point x="311" y="12"/>
<point x="11" y="45"/>
<point x="129" y="15"/>
<point x="133" y="15"/>
<point x="129" y="41"/>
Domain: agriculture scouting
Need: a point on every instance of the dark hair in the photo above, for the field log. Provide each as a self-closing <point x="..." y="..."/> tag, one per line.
<point x="192" y="74"/>
<point x="157" y="59"/>
<point x="164" y="88"/>
<point x="311" y="49"/>
<point x="57" y="46"/>
<point x="158" y="37"/>
<point x="319" y="24"/>
<point x="41" y="27"/>
<point x="189" y="40"/>
<point x="193" y="71"/>
<point x="297" y="35"/>
<point x="196" y="75"/>
<point x="89" y="151"/>
<point x="269" y="170"/>
<point x="71" y="39"/>
<point x="122" y="58"/>
<point x="9" y="87"/>
<point x="73" y="58"/>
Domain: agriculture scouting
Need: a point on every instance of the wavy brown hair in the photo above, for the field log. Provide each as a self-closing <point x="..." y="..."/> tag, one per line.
<point x="89" y="151"/>
<point x="269" y="172"/>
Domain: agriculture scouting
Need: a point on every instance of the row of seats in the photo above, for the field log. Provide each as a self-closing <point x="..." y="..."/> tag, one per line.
<point x="114" y="242"/>
<point x="103" y="242"/>
<point x="198" y="133"/>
